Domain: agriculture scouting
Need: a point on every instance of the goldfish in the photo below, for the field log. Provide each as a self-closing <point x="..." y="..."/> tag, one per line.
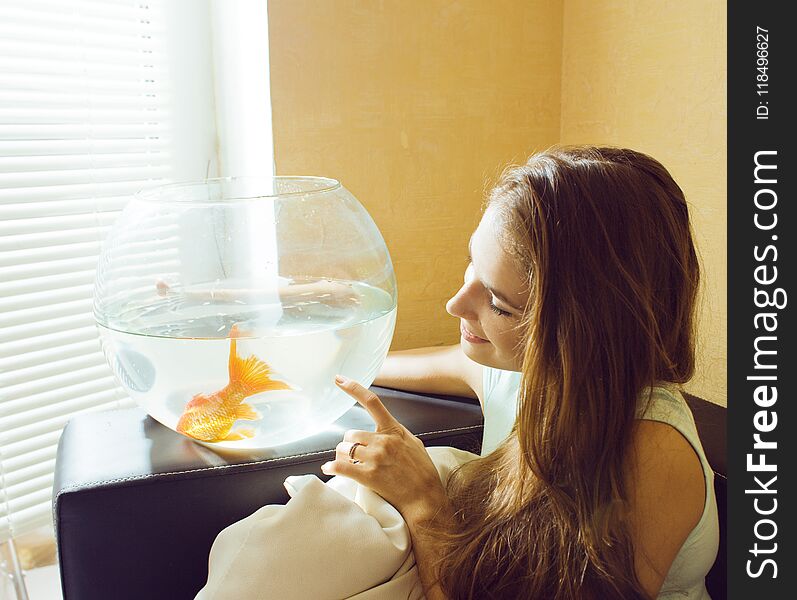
<point x="210" y="418"/>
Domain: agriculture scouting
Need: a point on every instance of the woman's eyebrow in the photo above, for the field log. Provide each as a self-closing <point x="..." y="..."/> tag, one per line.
<point x="490" y="288"/>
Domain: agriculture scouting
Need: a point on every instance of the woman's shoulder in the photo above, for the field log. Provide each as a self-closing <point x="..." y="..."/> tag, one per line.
<point x="658" y="445"/>
<point x="665" y="462"/>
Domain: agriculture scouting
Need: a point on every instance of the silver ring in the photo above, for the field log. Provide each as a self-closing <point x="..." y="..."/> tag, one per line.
<point x="351" y="452"/>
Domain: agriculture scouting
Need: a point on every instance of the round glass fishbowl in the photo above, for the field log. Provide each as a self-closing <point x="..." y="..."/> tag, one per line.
<point x="225" y="308"/>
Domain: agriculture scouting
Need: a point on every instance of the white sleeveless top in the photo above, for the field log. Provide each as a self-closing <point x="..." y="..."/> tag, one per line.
<point x="686" y="577"/>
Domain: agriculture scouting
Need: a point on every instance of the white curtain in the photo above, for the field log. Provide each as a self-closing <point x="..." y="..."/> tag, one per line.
<point x="98" y="99"/>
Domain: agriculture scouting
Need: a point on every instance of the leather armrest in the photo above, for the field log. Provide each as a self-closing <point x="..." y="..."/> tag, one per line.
<point x="136" y="506"/>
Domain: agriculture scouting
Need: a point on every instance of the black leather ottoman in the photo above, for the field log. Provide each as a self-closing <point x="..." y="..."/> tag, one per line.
<point x="137" y="506"/>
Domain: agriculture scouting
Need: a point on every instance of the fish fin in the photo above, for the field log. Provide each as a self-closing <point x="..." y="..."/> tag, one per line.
<point x="248" y="412"/>
<point x="241" y="433"/>
<point x="197" y="401"/>
<point x="251" y="373"/>
<point x="275" y="385"/>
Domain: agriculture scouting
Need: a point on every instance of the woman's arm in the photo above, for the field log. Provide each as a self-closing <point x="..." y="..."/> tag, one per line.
<point x="668" y="494"/>
<point x="426" y="552"/>
<point x="434" y="370"/>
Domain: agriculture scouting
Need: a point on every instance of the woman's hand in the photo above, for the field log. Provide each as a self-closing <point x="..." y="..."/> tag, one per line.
<point x="390" y="461"/>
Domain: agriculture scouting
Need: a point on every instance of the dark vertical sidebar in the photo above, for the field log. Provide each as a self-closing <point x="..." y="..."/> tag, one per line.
<point x="762" y="426"/>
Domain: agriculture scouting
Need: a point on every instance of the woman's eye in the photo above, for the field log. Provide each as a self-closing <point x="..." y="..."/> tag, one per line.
<point x="497" y="310"/>
<point x="469" y="277"/>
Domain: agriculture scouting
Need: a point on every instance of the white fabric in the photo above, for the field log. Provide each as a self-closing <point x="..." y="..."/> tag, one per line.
<point x="500" y="389"/>
<point x="330" y="541"/>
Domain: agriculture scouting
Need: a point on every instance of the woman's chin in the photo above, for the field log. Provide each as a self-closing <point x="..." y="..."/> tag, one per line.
<point x="484" y="354"/>
<point x="478" y="353"/>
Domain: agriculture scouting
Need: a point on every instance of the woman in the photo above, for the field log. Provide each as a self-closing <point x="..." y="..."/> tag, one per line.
<point x="579" y="294"/>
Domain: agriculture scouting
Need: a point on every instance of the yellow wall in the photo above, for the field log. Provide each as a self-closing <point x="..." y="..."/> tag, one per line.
<point x="416" y="106"/>
<point x="652" y="76"/>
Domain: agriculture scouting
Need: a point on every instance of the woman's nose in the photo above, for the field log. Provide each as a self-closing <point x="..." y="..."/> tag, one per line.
<point x="461" y="304"/>
<point x="453" y="306"/>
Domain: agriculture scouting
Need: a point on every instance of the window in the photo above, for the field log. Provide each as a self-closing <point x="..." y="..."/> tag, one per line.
<point x="99" y="99"/>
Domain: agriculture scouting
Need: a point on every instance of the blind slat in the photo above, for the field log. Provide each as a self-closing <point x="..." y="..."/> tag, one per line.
<point x="57" y="423"/>
<point x="22" y="272"/>
<point x="49" y="147"/>
<point x="45" y="67"/>
<point x="28" y="479"/>
<point x="113" y="8"/>
<point x="55" y="34"/>
<point x="51" y="388"/>
<point x="20" y="448"/>
<point x="64" y="215"/>
<point x="46" y="411"/>
<point x="78" y="54"/>
<point x="65" y="177"/>
<point x="21" y="290"/>
<point x="41" y="240"/>
<point x="63" y="116"/>
<point x="60" y="372"/>
<point x="26" y="520"/>
<point x="60" y="249"/>
<point x="38" y="456"/>
<point x="52" y="337"/>
<point x="9" y="164"/>
<point x="47" y="327"/>
<point x="73" y="308"/>
<point x="71" y="242"/>
<point x="33" y="131"/>
<point x="30" y="445"/>
<point x="86" y="85"/>
<point x="40" y="299"/>
<point x="76" y="191"/>
<point x="41" y="493"/>
<point x="50" y="354"/>
<point x="62" y="100"/>
<point x="68" y="17"/>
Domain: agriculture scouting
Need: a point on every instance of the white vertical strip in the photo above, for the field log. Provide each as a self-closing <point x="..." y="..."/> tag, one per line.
<point x="189" y="51"/>
<point x="241" y="63"/>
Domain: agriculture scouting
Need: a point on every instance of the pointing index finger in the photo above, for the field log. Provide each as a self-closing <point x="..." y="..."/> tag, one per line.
<point x="369" y="401"/>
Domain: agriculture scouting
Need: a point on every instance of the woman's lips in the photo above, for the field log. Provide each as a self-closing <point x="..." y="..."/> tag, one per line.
<point x="469" y="337"/>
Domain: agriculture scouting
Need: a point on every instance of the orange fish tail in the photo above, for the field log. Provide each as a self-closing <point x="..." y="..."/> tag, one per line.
<point x="251" y="374"/>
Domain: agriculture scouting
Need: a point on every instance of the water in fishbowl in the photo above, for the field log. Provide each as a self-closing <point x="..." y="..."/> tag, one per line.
<point x="245" y="369"/>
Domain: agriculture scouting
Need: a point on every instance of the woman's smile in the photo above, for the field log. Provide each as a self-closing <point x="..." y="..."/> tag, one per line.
<point x="469" y="337"/>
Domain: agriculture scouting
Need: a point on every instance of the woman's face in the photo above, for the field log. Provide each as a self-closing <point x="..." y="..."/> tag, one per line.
<point x="490" y="302"/>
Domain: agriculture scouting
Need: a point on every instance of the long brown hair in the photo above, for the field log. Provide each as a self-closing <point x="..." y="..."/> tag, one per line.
<point x="604" y="238"/>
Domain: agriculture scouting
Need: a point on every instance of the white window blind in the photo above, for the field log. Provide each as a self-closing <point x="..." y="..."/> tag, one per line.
<point x="91" y="111"/>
